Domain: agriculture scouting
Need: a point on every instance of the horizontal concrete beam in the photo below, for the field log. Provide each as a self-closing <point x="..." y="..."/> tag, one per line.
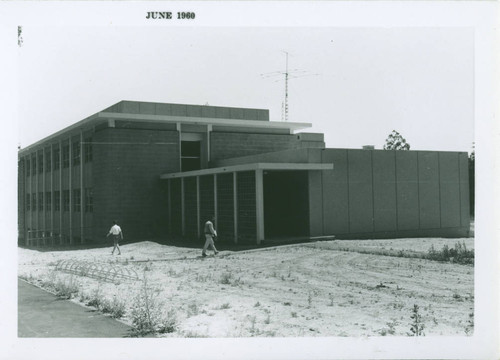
<point x="249" y="167"/>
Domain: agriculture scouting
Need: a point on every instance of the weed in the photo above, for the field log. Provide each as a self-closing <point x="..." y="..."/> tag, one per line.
<point x="287" y="303"/>
<point x="459" y="254"/>
<point x="309" y="300"/>
<point x="330" y="296"/>
<point x="469" y="327"/>
<point x="381" y="285"/>
<point x="257" y="304"/>
<point x="267" y="320"/>
<point x="225" y="306"/>
<point x="227" y="278"/>
<point x="131" y="258"/>
<point x="457" y="297"/>
<point x="95" y="298"/>
<point x="115" y="307"/>
<point x="66" y="291"/>
<point x="193" y="309"/>
<point x="417" y="325"/>
<point x="147" y="316"/>
<point x="294" y="314"/>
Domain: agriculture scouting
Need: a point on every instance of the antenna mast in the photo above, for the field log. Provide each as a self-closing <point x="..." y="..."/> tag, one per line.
<point x="284" y="114"/>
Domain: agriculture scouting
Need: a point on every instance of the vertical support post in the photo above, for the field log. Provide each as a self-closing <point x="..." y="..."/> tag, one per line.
<point x="70" y="187"/>
<point x="209" y="130"/>
<point x="259" y="204"/>
<point x="178" y="128"/>
<point x="216" y="213"/>
<point x="183" y="220"/>
<point x="38" y="202"/>
<point x="169" y="201"/>
<point x="30" y="231"/>
<point x="82" y="195"/>
<point x="60" y="194"/>
<point x="198" y="206"/>
<point x="44" y="232"/>
<point x="52" y="203"/>
<point x="235" y="207"/>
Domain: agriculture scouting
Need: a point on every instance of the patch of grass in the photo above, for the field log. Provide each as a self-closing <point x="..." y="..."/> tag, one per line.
<point x="458" y="254"/>
<point x="115" y="307"/>
<point x="227" y="278"/>
<point x="225" y="306"/>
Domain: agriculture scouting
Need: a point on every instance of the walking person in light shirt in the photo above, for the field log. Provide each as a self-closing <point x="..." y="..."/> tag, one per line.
<point x="116" y="233"/>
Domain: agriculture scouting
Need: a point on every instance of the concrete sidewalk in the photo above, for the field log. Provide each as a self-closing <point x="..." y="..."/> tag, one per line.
<point x="41" y="314"/>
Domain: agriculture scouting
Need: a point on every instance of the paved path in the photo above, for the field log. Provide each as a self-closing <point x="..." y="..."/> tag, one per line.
<point x="41" y="314"/>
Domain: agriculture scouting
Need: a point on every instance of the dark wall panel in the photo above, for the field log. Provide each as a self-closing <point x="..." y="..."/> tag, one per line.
<point x="464" y="189"/>
<point x="428" y="174"/>
<point x="335" y="193"/>
<point x="315" y="203"/>
<point x="450" y="191"/>
<point x="360" y="191"/>
<point x="407" y="190"/>
<point x="384" y="191"/>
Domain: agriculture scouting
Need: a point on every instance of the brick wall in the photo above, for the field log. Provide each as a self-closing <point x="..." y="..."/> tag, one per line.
<point x="127" y="188"/>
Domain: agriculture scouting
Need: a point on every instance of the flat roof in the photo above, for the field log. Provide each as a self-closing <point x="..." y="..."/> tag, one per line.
<point x="249" y="167"/>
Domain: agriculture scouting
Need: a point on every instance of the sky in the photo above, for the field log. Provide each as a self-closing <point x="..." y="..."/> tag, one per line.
<point x="360" y="83"/>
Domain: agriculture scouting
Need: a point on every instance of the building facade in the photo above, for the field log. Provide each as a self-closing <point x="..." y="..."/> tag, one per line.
<point x="162" y="169"/>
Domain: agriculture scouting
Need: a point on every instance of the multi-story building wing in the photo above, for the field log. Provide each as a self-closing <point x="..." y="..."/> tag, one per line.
<point x="163" y="169"/>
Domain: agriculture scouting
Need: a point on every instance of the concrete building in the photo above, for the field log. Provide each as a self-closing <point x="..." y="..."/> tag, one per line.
<point x="162" y="169"/>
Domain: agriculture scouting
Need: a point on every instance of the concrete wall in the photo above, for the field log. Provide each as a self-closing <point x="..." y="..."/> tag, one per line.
<point x="378" y="193"/>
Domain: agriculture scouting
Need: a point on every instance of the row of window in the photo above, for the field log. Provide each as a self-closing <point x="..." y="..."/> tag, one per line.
<point x="36" y="164"/>
<point x="41" y="201"/>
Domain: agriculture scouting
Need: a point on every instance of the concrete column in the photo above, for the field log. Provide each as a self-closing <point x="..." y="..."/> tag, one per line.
<point x="70" y="189"/>
<point x="52" y="204"/>
<point x="38" y="200"/>
<point x="178" y="128"/>
<point x="44" y="212"/>
<point x="209" y="130"/>
<point x="259" y="204"/>
<point x="198" y="206"/>
<point x="216" y="212"/>
<point x="235" y="207"/>
<point x="60" y="193"/>
<point x="82" y="194"/>
<point x="183" y="220"/>
<point x="169" y="201"/>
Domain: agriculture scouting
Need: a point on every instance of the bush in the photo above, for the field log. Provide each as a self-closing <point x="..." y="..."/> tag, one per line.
<point x="459" y="254"/>
<point x="147" y="314"/>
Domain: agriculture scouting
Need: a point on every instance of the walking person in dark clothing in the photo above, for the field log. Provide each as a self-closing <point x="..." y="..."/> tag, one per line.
<point x="210" y="235"/>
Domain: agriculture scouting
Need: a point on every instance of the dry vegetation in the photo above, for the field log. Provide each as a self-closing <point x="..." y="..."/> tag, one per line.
<point x="333" y="288"/>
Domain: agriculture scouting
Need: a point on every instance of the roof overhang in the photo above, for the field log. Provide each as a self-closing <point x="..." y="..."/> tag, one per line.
<point x="292" y="126"/>
<point x="249" y="167"/>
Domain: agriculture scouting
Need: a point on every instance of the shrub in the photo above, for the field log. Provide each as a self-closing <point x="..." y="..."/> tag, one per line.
<point x="459" y="254"/>
<point x="147" y="315"/>
<point x="417" y="325"/>
<point x="66" y="291"/>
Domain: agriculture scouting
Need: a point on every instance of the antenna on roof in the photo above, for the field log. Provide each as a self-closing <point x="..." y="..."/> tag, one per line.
<point x="289" y="74"/>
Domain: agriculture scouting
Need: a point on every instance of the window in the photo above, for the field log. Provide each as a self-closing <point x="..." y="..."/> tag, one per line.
<point x="28" y="167"/>
<point x="48" y="201"/>
<point x="190" y="155"/>
<point x="48" y="161"/>
<point x="40" y="162"/>
<point x="89" y="200"/>
<point x="65" y="156"/>
<point x="28" y="202"/>
<point x="76" y="153"/>
<point x="40" y="201"/>
<point x="88" y="149"/>
<point x="76" y="200"/>
<point x="33" y="203"/>
<point x="65" y="200"/>
<point x="57" y="200"/>
<point x="57" y="161"/>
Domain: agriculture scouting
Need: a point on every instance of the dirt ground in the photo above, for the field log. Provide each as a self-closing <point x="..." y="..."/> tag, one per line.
<point x="329" y="288"/>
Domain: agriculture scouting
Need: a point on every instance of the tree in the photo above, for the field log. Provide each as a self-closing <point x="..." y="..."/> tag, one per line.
<point x="395" y="141"/>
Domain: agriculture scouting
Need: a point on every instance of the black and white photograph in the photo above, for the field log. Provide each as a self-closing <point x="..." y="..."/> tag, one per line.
<point x="280" y="180"/>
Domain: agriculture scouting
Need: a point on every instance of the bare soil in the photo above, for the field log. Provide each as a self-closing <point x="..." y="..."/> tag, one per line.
<point x="330" y="288"/>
